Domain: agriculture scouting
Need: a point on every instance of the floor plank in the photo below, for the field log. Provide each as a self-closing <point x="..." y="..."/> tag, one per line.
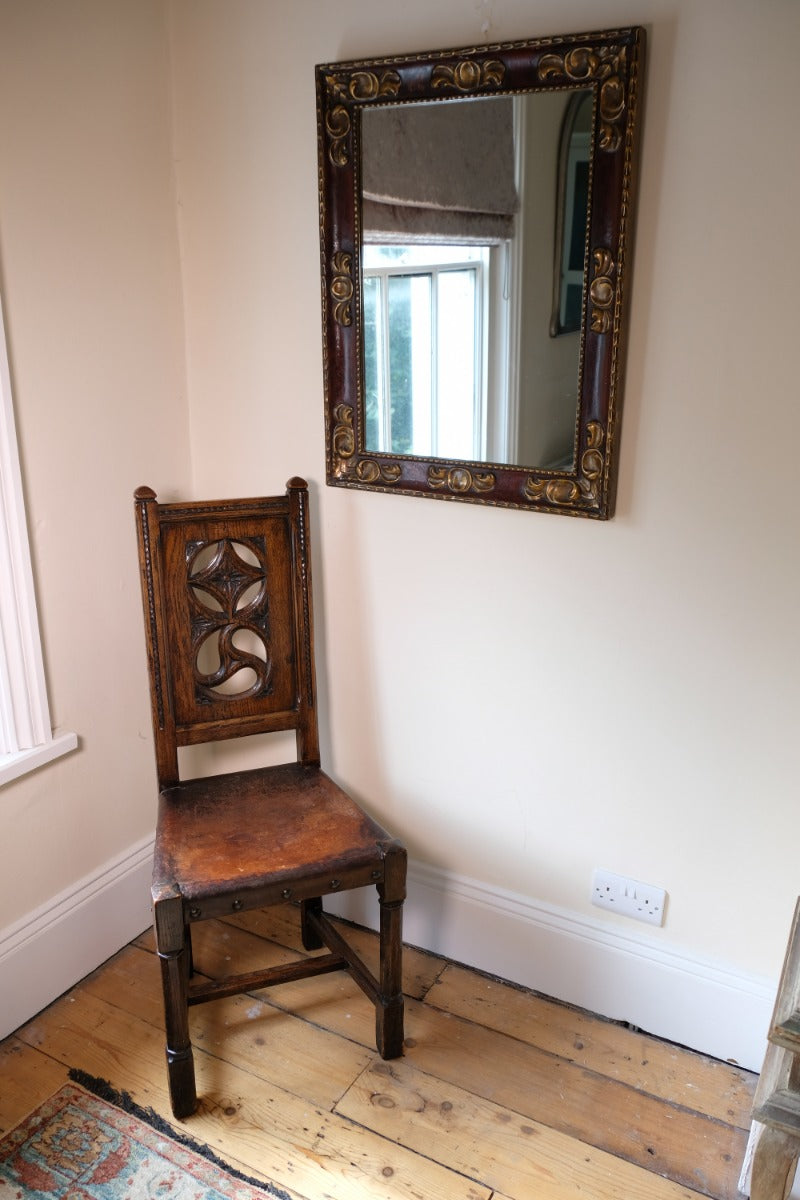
<point x="511" y="1154"/>
<point x="689" y="1147"/>
<point x="702" y="1084"/>
<point x="253" y="1123"/>
<point x="28" y="1079"/>
<point x="245" y="1030"/>
<point x="596" y="1108"/>
<point x="501" y="1095"/>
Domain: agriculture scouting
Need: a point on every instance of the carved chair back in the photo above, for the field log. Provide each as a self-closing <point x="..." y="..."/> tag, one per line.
<point x="228" y="616"/>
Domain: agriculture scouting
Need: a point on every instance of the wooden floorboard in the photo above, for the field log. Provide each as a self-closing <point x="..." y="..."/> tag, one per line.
<point x="501" y="1094"/>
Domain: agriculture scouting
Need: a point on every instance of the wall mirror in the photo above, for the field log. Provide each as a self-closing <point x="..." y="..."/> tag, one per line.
<point x="476" y="213"/>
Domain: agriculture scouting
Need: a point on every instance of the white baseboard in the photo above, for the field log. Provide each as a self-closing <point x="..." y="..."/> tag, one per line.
<point x="585" y="961"/>
<point x="53" y="947"/>
<point x="582" y="960"/>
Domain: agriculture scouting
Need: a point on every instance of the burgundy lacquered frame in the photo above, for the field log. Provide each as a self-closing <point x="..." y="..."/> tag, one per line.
<point x="610" y="64"/>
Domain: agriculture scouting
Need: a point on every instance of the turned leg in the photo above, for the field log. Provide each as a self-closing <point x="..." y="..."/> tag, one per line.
<point x="311" y="939"/>
<point x="389" y="1007"/>
<point x="774" y="1165"/>
<point x="173" y="953"/>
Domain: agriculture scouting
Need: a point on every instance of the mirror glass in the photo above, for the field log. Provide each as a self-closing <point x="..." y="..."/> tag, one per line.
<point x="462" y="221"/>
<point x="474" y="213"/>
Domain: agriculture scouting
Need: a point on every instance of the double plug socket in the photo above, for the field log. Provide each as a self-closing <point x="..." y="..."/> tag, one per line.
<point x="629" y="897"/>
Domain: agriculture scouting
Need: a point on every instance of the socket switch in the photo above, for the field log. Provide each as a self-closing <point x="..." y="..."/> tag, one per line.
<point x="628" y="897"/>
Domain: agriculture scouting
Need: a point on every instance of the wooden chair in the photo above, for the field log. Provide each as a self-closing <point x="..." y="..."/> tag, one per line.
<point x="226" y="588"/>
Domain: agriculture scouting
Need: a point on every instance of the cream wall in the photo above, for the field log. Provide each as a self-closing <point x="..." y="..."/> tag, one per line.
<point x="523" y="697"/>
<point x="91" y="292"/>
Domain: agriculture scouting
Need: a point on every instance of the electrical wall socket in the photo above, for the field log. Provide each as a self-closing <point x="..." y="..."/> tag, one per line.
<point x="628" y="897"/>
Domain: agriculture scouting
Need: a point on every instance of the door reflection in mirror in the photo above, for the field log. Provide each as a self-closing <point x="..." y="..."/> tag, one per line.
<point x="572" y="203"/>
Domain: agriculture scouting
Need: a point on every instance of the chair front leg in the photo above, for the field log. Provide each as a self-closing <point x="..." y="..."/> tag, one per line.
<point x="389" y="1007"/>
<point x="174" y="953"/>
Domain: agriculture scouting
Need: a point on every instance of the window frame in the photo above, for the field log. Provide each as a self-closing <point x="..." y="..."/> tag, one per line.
<point x="480" y="268"/>
<point x="26" y="736"/>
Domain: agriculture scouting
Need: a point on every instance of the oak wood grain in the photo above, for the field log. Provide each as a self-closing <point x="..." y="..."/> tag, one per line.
<point x="492" y="1101"/>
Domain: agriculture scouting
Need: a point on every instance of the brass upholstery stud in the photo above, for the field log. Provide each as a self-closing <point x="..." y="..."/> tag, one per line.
<point x="194" y="912"/>
<point x="286" y="893"/>
<point x="335" y="883"/>
<point x="237" y="904"/>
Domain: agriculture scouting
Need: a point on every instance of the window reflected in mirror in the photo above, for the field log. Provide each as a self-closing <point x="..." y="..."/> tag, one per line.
<point x="462" y="225"/>
<point x="425" y="349"/>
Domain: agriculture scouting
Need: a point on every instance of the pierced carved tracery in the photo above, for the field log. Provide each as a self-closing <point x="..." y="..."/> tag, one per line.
<point x="226" y="582"/>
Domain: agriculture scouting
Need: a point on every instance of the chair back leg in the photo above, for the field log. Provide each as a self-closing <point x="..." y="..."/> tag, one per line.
<point x="310" y="936"/>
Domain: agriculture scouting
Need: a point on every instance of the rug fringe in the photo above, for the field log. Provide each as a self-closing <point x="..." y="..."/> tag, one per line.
<point x="123" y="1100"/>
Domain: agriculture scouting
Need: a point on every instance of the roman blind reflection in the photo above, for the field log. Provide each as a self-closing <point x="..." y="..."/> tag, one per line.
<point x="439" y="172"/>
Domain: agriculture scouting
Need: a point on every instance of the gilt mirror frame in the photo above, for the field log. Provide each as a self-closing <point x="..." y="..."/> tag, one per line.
<point x="610" y="65"/>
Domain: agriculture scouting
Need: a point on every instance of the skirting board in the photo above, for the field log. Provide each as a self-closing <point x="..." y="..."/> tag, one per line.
<point x="588" y="962"/>
<point x="581" y="960"/>
<point x="54" y="946"/>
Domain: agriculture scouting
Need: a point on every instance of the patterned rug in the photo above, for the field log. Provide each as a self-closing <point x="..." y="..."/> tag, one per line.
<point x="78" y="1146"/>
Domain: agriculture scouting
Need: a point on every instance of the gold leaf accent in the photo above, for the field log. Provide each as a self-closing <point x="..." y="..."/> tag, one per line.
<point x="585" y="489"/>
<point x="370" y="471"/>
<point x="612" y="110"/>
<point x="592" y="458"/>
<point x="343" y="439"/>
<point x="609" y="66"/>
<point x="469" y="76"/>
<point x="579" y="64"/>
<point x="602" y="291"/>
<point x="365" y="85"/>
<point x="342" y="287"/>
<point x="364" y="470"/>
<point x="460" y="480"/>
<point x="337" y="86"/>
<point x="360" y="85"/>
<point x="337" y="124"/>
<point x="552" y="491"/>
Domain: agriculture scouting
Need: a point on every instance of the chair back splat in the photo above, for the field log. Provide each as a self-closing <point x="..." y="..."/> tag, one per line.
<point x="228" y="614"/>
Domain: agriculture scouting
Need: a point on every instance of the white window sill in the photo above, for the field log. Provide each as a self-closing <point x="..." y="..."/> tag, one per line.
<point x="22" y="761"/>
